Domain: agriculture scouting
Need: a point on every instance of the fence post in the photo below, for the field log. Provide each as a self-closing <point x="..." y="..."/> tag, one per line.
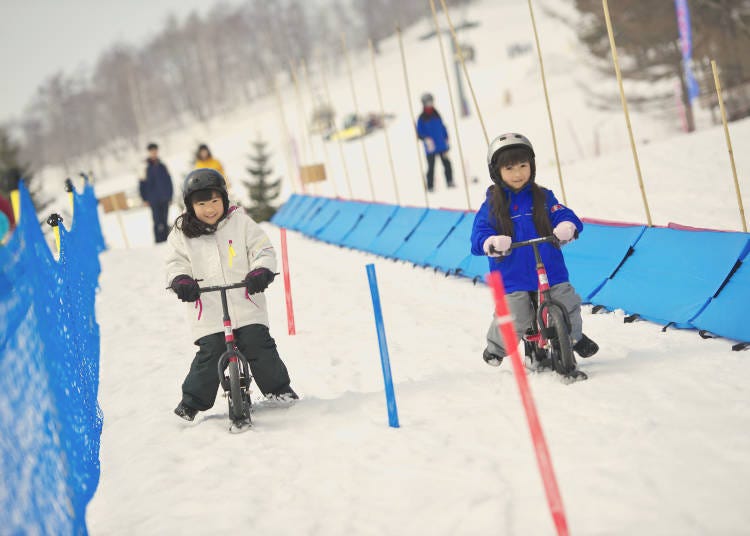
<point x="390" y="395"/>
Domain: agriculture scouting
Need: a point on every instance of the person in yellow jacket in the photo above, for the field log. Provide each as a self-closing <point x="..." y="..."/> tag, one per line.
<point x="204" y="159"/>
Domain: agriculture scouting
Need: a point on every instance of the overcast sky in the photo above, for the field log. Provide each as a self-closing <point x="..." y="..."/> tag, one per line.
<point x="41" y="37"/>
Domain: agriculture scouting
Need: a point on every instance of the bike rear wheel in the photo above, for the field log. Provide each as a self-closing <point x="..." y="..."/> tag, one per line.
<point x="562" y="348"/>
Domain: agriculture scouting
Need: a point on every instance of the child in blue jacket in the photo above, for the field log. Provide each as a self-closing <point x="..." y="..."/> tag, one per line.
<point x="431" y="130"/>
<point x="517" y="209"/>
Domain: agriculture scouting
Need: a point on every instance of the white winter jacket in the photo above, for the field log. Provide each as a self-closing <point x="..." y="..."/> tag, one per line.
<point x="238" y="246"/>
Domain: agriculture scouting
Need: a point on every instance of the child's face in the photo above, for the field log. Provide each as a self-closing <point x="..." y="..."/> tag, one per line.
<point x="516" y="175"/>
<point x="209" y="211"/>
<point x="203" y="154"/>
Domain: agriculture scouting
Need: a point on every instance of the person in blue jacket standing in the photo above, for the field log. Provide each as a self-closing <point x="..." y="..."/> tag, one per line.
<point x="434" y="135"/>
<point x="156" y="190"/>
<point x="517" y="209"/>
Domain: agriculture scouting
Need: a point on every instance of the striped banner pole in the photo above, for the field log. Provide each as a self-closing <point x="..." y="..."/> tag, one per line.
<point x="505" y="326"/>
<point x="287" y="284"/>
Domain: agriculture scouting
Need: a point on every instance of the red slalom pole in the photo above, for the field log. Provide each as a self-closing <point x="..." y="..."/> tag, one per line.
<point x="505" y="326"/>
<point x="287" y="284"/>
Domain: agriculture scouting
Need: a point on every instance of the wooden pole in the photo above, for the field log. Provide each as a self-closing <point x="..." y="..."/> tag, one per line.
<point x="293" y="170"/>
<point x="625" y="110"/>
<point x="450" y="95"/>
<point x="385" y="126"/>
<point x="306" y="75"/>
<point x="729" y="144"/>
<point x="308" y="155"/>
<point x="356" y="111"/>
<point x="117" y="208"/>
<point x="411" y="115"/>
<point x="466" y="71"/>
<point x="341" y="145"/>
<point x="549" y="108"/>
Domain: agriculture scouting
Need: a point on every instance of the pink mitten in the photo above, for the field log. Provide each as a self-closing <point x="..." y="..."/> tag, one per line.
<point x="565" y="231"/>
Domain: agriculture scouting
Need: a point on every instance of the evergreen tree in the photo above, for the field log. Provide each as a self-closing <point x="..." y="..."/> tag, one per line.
<point x="261" y="190"/>
<point x="12" y="170"/>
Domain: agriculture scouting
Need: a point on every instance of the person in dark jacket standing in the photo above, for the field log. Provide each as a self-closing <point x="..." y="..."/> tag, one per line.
<point x="434" y="135"/>
<point x="156" y="190"/>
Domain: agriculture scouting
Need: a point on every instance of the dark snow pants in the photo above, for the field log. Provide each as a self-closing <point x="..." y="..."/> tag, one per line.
<point x="160" y="213"/>
<point x="431" y="169"/>
<point x="255" y="343"/>
<point x="523" y="313"/>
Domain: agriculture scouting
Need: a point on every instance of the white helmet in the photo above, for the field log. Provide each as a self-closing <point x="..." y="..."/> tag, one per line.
<point x="500" y="144"/>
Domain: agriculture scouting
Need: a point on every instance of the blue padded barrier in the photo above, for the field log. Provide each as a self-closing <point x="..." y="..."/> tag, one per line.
<point x="299" y="209"/>
<point x="453" y="250"/>
<point x="726" y="314"/>
<point x="318" y="221"/>
<point x="307" y="211"/>
<point x="474" y="267"/>
<point x="398" y="229"/>
<point x="374" y="220"/>
<point x="430" y="233"/>
<point x="672" y="274"/>
<point x="594" y="257"/>
<point x="286" y="210"/>
<point x="348" y="216"/>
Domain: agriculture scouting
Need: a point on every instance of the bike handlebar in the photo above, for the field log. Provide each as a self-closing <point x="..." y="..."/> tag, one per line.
<point x="516" y="245"/>
<point x="223" y="287"/>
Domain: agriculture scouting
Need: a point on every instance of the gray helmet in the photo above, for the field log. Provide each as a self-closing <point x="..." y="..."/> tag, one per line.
<point x="427" y="99"/>
<point x="502" y="143"/>
<point x="204" y="179"/>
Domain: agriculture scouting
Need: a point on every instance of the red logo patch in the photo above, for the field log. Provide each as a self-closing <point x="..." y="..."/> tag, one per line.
<point x="556" y="208"/>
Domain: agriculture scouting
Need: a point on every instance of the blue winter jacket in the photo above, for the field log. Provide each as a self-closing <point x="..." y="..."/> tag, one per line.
<point x="157" y="188"/>
<point x="519" y="268"/>
<point x="431" y="126"/>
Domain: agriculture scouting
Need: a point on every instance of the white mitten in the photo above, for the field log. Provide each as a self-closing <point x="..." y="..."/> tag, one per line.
<point x="565" y="231"/>
<point x="497" y="245"/>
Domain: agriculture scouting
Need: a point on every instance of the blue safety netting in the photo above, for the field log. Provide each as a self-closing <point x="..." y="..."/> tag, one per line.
<point x="430" y="233"/>
<point x="399" y="227"/>
<point x="595" y="256"/>
<point x="453" y="250"/>
<point x="50" y="423"/>
<point x="672" y="274"/>
<point x="726" y="313"/>
<point x="286" y="210"/>
<point x="374" y="220"/>
<point x="347" y="217"/>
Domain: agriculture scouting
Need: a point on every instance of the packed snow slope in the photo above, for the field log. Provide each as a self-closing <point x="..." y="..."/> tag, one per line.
<point x="654" y="443"/>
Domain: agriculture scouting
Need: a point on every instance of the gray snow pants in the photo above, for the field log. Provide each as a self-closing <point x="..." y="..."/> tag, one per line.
<point x="255" y="343"/>
<point x="522" y="311"/>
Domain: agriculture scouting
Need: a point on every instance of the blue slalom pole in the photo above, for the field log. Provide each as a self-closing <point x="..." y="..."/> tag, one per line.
<point x="390" y="395"/>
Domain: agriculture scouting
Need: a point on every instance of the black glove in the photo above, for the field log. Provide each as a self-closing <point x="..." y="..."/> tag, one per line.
<point x="258" y="280"/>
<point x="186" y="288"/>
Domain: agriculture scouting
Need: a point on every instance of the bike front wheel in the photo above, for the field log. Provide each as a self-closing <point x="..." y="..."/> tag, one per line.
<point x="236" y="402"/>
<point x="562" y="355"/>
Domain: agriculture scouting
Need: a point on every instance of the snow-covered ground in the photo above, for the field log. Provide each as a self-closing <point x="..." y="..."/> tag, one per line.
<point x="654" y="443"/>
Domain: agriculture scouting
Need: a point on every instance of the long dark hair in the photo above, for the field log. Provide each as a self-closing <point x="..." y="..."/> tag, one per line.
<point x="189" y="224"/>
<point x="500" y="204"/>
<point x="200" y="148"/>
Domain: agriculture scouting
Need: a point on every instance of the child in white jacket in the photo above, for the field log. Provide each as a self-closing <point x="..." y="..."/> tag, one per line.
<point x="218" y="245"/>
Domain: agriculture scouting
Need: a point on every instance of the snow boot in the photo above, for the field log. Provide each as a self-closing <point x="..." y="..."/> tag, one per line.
<point x="286" y="395"/>
<point x="185" y="412"/>
<point x="491" y="359"/>
<point x="586" y="347"/>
